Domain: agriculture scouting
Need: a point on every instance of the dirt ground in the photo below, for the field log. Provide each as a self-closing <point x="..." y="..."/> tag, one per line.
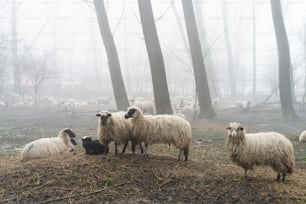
<point x="208" y="177"/>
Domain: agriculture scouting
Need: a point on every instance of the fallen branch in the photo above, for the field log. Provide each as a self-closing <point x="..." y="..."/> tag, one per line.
<point x="86" y="194"/>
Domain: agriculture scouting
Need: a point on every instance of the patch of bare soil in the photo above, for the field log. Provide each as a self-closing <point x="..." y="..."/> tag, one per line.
<point x="208" y="177"/>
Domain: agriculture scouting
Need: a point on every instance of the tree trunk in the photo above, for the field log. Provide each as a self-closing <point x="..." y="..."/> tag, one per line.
<point x="16" y="71"/>
<point x="254" y="50"/>
<point x="230" y="61"/>
<point x="112" y="55"/>
<point x="206" y="109"/>
<point x="160" y="86"/>
<point x="304" y="95"/>
<point x="284" y="61"/>
<point x="211" y="73"/>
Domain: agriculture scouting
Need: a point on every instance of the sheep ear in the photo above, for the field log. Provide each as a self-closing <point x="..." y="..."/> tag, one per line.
<point x="98" y="114"/>
<point x="109" y="114"/>
<point x="228" y="128"/>
<point x="241" y="128"/>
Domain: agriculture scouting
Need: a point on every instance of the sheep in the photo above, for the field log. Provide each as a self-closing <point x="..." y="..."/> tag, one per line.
<point x="113" y="127"/>
<point x="167" y="129"/>
<point x="265" y="148"/>
<point x="104" y="100"/>
<point x="44" y="147"/>
<point x="302" y="137"/>
<point x="93" y="146"/>
<point x="147" y="107"/>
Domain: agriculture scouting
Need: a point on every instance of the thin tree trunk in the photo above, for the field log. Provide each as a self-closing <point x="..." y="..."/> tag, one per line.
<point x="160" y="86"/>
<point x="304" y="95"/>
<point x="254" y="50"/>
<point x="211" y="73"/>
<point x="206" y="109"/>
<point x="112" y="55"/>
<point x="284" y="61"/>
<point x="16" y="71"/>
<point x="229" y="54"/>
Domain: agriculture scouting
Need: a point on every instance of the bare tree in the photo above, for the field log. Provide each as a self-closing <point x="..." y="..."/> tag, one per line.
<point x="112" y="55"/>
<point x="206" y="109"/>
<point x="160" y="86"/>
<point x="284" y="61"/>
<point x="211" y="73"/>
<point x="16" y="70"/>
<point x="304" y="95"/>
<point x="230" y="61"/>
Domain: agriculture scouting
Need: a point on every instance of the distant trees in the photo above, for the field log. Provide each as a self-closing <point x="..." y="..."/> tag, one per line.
<point x="284" y="61"/>
<point x="206" y="109"/>
<point x="160" y="86"/>
<point x="112" y="55"/>
<point x="229" y="53"/>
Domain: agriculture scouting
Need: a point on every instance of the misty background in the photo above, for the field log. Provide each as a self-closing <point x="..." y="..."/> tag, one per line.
<point x="63" y="39"/>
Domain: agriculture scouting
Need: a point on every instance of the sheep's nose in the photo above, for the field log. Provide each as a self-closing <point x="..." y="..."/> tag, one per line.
<point x="126" y="116"/>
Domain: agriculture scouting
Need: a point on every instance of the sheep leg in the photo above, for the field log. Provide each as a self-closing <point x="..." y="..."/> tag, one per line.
<point x="179" y="155"/>
<point x="141" y="148"/>
<point x="146" y="150"/>
<point x="186" y="151"/>
<point x="116" y="148"/>
<point x="125" y="145"/>
<point x="278" y="176"/>
<point x="283" y="176"/>
<point x="134" y="143"/>
<point x="245" y="173"/>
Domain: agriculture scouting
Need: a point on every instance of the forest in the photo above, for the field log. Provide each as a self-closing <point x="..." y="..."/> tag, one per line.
<point x="153" y="79"/>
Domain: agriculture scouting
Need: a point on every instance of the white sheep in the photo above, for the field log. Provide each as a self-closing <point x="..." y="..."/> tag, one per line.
<point x="264" y="148"/>
<point x="44" y="147"/>
<point x="147" y="107"/>
<point x="113" y="127"/>
<point x="167" y="129"/>
<point x="302" y="137"/>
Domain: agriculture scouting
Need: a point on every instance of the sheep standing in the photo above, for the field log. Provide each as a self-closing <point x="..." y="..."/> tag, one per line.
<point x="265" y="148"/>
<point x="147" y="107"/>
<point x="93" y="146"/>
<point x="113" y="127"/>
<point x="302" y="137"/>
<point x="167" y="129"/>
<point x="43" y="147"/>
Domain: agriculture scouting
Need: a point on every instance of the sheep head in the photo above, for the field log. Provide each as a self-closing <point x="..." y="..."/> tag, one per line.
<point x="104" y="115"/>
<point x="133" y="112"/>
<point x="67" y="132"/>
<point x="86" y="138"/>
<point x="235" y="130"/>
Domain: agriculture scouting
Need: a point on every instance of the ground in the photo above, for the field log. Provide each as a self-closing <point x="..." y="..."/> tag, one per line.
<point x="208" y="177"/>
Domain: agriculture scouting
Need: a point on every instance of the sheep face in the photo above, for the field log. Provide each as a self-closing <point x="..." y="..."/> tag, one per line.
<point x="234" y="130"/>
<point x="71" y="135"/>
<point x="103" y="117"/>
<point x="133" y="112"/>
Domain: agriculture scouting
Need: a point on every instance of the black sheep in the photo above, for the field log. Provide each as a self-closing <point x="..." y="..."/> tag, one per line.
<point x="93" y="146"/>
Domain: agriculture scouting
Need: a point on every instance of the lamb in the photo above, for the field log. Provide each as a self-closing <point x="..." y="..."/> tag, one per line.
<point x="302" y="137"/>
<point x="147" y="107"/>
<point x="265" y="148"/>
<point x="113" y="127"/>
<point x="44" y="147"/>
<point x="167" y="129"/>
<point x="93" y="146"/>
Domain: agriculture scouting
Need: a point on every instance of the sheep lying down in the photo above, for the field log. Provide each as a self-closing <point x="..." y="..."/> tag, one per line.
<point x="265" y="148"/>
<point x="44" y="147"/>
<point x="93" y="146"/>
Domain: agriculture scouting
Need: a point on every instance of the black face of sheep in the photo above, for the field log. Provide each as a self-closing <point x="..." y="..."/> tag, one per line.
<point x="71" y="135"/>
<point x="93" y="146"/>
<point x="104" y="116"/>
<point x="130" y="113"/>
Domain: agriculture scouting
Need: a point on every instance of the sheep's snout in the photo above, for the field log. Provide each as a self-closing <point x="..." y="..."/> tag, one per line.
<point x="126" y="116"/>
<point x="103" y="120"/>
<point x="73" y="141"/>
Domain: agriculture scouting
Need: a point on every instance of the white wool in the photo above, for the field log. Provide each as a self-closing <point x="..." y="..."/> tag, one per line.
<point x="302" y="137"/>
<point x="44" y="147"/>
<point x="167" y="129"/>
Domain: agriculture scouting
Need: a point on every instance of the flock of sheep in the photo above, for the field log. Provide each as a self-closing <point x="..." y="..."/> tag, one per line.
<point x="140" y="126"/>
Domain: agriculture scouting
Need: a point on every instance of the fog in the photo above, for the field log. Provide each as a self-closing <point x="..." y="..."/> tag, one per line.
<point x="64" y="37"/>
